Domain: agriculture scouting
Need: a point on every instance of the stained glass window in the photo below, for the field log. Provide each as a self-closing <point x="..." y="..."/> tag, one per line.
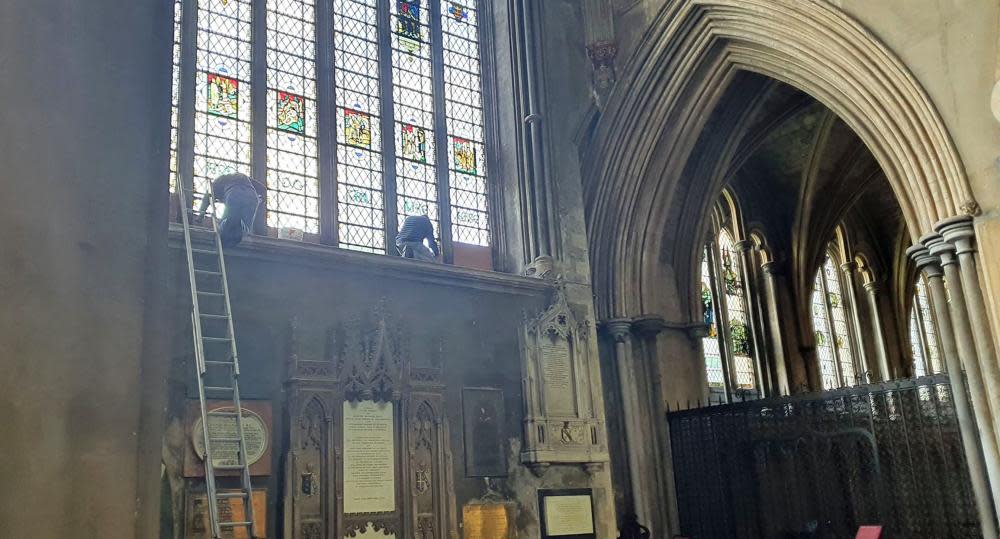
<point x="413" y="101"/>
<point x="360" y="199"/>
<point x="710" y="342"/>
<point x="923" y="334"/>
<point x="833" y="341"/>
<point x="464" y="113"/>
<point x="318" y="94"/>
<point x="222" y="116"/>
<point x="736" y="313"/>
<point x="175" y="87"/>
<point x="728" y="347"/>
<point x="292" y="148"/>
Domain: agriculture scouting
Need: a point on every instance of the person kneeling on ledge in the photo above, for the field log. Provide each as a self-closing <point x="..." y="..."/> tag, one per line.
<point x="410" y="240"/>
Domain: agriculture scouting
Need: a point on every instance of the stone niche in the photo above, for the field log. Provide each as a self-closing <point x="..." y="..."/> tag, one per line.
<point x="562" y="424"/>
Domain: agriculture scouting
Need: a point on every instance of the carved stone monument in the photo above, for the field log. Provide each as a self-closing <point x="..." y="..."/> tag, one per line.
<point x="562" y="424"/>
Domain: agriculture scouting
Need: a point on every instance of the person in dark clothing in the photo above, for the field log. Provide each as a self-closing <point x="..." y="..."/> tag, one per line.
<point x="241" y="198"/>
<point x="410" y="240"/>
<point x="631" y="529"/>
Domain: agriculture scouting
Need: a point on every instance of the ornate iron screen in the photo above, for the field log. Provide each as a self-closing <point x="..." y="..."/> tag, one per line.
<point x="820" y="465"/>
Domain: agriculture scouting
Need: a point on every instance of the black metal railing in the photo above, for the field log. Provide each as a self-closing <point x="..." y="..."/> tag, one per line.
<point x="820" y="465"/>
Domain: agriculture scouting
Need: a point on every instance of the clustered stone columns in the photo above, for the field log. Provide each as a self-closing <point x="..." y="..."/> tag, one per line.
<point x="645" y="435"/>
<point x="773" y="309"/>
<point x="966" y="345"/>
<point x="849" y="269"/>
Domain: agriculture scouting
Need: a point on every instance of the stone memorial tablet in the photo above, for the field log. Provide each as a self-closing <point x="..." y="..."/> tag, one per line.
<point x="483" y="425"/>
<point x="485" y="521"/>
<point x="557" y="376"/>
<point x="369" y="458"/>
<point x="570" y="515"/>
<point x="227" y="453"/>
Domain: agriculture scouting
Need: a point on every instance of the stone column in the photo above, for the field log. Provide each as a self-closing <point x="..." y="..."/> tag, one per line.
<point x="959" y="232"/>
<point x="759" y="351"/>
<point x="872" y="290"/>
<point x="966" y="348"/>
<point x="620" y="331"/>
<point x="657" y="450"/>
<point x="849" y="285"/>
<point x="599" y="33"/>
<point x="978" y="474"/>
<point x="782" y="379"/>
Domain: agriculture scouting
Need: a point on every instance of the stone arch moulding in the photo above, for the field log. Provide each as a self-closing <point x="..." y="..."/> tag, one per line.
<point x="809" y="44"/>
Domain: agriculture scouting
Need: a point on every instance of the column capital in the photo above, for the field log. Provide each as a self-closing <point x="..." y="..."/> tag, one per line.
<point x="772" y="267"/>
<point x="648" y="325"/>
<point x="873" y="287"/>
<point x="849" y="267"/>
<point x="618" y="328"/>
<point x="743" y="245"/>
<point x="940" y="248"/>
<point x="926" y="262"/>
<point x="960" y="232"/>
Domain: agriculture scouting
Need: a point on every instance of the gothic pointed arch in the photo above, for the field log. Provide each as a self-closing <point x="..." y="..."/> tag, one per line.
<point x="692" y="52"/>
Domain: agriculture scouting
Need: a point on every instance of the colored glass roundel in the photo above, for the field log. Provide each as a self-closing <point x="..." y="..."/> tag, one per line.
<point x="458" y="12"/>
<point x="464" y="154"/>
<point x="223" y="95"/>
<point x="357" y="128"/>
<point x="291" y="112"/>
<point x="414" y="143"/>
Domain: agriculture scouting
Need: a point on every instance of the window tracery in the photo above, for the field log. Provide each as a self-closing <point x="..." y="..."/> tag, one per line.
<point x="834" y="345"/>
<point x="357" y="113"/>
<point x="923" y="334"/>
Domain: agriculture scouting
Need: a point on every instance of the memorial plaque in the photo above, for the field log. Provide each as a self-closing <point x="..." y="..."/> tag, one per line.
<point x="197" y="524"/>
<point x="483" y="420"/>
<point x="369" y="458"/>
<point x="557" y="376"/>
<point x="256" y="429"/>
<point x="567" y="514"/>
<point x="485" y="521"/>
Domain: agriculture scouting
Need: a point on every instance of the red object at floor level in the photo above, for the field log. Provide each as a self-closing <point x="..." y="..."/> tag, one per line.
<point x="869" y="532"/>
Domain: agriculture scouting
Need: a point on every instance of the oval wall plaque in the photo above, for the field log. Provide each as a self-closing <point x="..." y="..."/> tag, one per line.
<point x="226" y="453"/>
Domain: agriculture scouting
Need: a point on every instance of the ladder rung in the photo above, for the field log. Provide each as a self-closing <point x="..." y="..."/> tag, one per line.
<point x="228" y="466"/>
<point x="210" y="293"/>
<point x="225" y="439"/>
<point x="218" y="388"/>
<point x="235" y="524"/>
<point x="231" y="494"/>
<point x="208" y="272"/>
<point x="216" y="339"/>
<point x="226" y="363"/>
<point x="222" y="414"/>
<point x="213" y="316"/>
<point x="204" y="251"/>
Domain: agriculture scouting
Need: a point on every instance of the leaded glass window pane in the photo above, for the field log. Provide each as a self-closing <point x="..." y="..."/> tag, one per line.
<point x="823" y="335"/>
<point x="222" y="129"/>
<point x="413" y="101"/>
<point x="710" y="343"/>
<point x="292" y="148"/>
<point x="464" y="113"/>
<point x="360" y="201"/>
<point x="175" y="87"/>
<point x="923" y="334"/>
<point x="736" y="312"/>
<point x="841" y="338"/>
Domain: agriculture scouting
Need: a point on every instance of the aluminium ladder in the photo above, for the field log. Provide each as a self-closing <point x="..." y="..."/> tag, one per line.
<point x="216" y="362"/>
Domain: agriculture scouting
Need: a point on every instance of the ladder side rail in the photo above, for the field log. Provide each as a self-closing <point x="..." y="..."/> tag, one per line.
<point x="209" y="466"/>
<point x="245" y="477"/>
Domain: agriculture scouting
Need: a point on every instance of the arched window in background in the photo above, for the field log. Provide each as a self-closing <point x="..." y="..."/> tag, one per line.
<point x="353" y="117"/>
<point x="728" y="348"/>
<point x="923" y="334"/>
<point x="829" y="317"/>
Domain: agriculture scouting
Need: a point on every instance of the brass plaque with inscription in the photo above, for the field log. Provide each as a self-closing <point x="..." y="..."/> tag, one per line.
<point x="485" y="521"/>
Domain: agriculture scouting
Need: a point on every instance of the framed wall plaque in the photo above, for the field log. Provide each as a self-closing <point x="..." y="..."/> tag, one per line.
<point x="567" y="513"/>
<point x="483" y="419"/>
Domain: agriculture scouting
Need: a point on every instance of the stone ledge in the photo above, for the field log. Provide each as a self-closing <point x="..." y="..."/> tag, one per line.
<point x="337" y="260"/>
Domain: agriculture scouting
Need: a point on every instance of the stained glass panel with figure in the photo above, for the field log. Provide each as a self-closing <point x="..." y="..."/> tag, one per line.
<point x="222" y="129"/>
<point x="413" y="102"/>
<point x="823" y="334"/>
<point x="292" y="147"/>
<point x="838" y="314"/>
<point x="464" y="118"/>
<point x="736" y="313"/>
<point x="360" y="201"/>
